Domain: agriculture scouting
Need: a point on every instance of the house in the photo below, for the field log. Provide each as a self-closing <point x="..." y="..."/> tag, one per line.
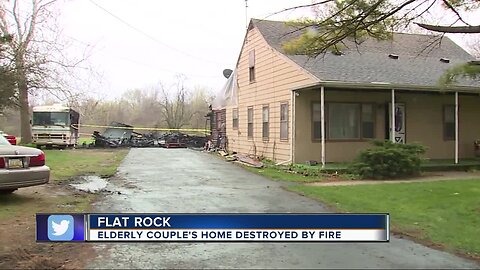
<point x="292" y="108"/>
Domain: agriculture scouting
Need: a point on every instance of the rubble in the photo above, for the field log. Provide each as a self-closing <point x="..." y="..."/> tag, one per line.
<point x="247" y="160"/>
<point x="122" y="135"/>
<point x="181" y="140"/>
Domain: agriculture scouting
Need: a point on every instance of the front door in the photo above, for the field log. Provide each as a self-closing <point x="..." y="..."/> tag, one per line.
<point x="400" y="120"/>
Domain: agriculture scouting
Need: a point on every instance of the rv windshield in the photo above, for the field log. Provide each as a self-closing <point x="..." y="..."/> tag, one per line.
<point x="50" y="118"/>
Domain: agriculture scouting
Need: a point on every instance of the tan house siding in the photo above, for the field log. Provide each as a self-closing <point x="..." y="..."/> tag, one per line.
<point x="275" y="77"/>
<point x="424" y="123"/>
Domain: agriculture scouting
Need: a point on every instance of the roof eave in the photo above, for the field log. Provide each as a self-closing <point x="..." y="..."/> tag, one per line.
<point x="387" y="86"/>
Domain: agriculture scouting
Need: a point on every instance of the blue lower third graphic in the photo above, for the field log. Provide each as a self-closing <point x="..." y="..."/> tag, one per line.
<point x="60" y="227"/>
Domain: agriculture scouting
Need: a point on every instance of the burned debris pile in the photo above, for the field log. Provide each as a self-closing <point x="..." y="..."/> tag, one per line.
<point x="122" y="135"/>
<point x="179" y="140"/>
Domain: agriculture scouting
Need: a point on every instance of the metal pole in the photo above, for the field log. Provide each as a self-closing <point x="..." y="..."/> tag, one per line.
<point x="322" y="124"/>
<point x="293" y="130"/>
<point x="456" y="127"/>
<point x="246" y="14"/>
<point x="392" y="116"/>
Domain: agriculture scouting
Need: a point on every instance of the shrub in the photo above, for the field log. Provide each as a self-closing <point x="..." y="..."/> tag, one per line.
<point x="387" y="160"/>
<point x="305" y="170"/>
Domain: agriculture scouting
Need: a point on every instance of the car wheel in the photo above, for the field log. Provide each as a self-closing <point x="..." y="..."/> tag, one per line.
<point x="7" y="191"/>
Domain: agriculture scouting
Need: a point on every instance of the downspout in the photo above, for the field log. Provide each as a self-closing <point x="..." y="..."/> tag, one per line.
<point x="292" y="122"/>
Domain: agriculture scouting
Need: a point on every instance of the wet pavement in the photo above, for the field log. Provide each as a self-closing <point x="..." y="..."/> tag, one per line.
<point x="182" y="180"/>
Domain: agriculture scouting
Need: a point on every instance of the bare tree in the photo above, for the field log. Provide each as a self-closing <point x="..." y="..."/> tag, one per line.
<point x="174" y="104"/>
<point x="36" y="53"/>
<point x="156" y="107"/>
<point x="200" y="100"/>
<point x="473" y="46"/>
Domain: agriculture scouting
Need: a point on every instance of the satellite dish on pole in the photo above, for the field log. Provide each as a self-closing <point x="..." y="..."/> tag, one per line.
<point x="227" y="73"/>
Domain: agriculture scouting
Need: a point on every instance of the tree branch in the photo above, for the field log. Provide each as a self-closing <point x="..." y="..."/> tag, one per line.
<point x="452" y="8"/>
<point x="298" y="7"/>
<point x="475" y="29"/>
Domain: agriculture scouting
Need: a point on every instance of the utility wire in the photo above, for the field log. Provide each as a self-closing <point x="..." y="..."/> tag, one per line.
<point x="152" y="37"/>
<point x="137" y="62"/>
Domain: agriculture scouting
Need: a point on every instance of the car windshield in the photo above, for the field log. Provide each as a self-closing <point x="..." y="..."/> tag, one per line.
<point x="50" y="118"/>
<point x="3" y="141"/>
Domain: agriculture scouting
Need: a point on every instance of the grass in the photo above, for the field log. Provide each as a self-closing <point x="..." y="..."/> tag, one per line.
<point x="444" y="212"/>
<point x="299" y="173"/>
<point x="20" y="205"/>
<point x="282" y="175"/>
<point x="303" y="173"/>
<point x="65" y="164"/>
<point x="82" y="140"/>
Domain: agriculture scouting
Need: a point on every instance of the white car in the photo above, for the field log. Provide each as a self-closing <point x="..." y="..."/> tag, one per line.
<point x="21" y="167"/>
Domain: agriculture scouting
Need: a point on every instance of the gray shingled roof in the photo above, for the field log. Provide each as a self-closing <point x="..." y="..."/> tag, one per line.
<point x="418" y="62"/>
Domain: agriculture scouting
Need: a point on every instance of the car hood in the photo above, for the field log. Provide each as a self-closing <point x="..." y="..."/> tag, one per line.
<point x="8" y="150"/>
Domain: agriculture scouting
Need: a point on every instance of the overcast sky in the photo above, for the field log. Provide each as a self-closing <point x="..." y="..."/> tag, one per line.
<point x="137" y="43"/>
<point x="150" y="40"/>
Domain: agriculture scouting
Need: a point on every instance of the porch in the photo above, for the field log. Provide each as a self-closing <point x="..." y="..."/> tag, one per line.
<point x="332" y="124"/>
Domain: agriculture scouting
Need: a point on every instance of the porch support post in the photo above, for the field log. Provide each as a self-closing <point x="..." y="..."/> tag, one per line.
<point x="322" y="120"/>
<point x="293" y="129"/>
<point x="456" y="127"/>
<point x="392" y="116"/>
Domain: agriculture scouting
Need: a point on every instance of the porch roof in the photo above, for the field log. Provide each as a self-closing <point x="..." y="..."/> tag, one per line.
<point x="388" y="86"/>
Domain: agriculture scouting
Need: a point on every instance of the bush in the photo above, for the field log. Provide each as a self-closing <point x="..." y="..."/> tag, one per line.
<point x="387" y="160"/>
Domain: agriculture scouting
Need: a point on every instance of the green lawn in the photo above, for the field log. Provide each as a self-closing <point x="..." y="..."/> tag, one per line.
<point x="64" y="164"/>
<point x="443" y="212"/>
<point x="72" y="162"/>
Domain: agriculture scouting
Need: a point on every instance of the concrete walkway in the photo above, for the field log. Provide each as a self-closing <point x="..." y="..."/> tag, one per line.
<point x="426" y="177"/>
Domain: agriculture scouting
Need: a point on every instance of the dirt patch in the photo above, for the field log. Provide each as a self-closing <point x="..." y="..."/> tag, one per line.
<point x="17" y="229"/>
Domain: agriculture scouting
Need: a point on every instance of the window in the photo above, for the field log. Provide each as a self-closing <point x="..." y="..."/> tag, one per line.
<point x="250" y="123"/>
<point x="235" y="118"/>
<point x="251" y="66"/>
<point x="50" y="118"/>
<point x="368" y="123"/>
<point x="317" y="124"/>
<point x="218" y="117"/>
<point x="345" y="121"/>
<point x="265" y="126"/>
<point x="284" y="121"/>
<point x="449" y="122"/>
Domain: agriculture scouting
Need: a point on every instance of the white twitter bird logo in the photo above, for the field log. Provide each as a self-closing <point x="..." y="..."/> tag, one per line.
<point x="60" y="229"/>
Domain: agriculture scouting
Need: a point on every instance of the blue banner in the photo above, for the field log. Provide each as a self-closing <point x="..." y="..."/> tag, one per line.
<point x="238" y="221"/>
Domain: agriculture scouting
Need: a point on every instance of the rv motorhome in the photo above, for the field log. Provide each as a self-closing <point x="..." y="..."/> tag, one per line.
<point x="54" y="125"/>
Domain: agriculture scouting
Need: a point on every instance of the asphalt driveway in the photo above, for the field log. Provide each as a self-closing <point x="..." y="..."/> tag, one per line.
<point x="182" y="180"/>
